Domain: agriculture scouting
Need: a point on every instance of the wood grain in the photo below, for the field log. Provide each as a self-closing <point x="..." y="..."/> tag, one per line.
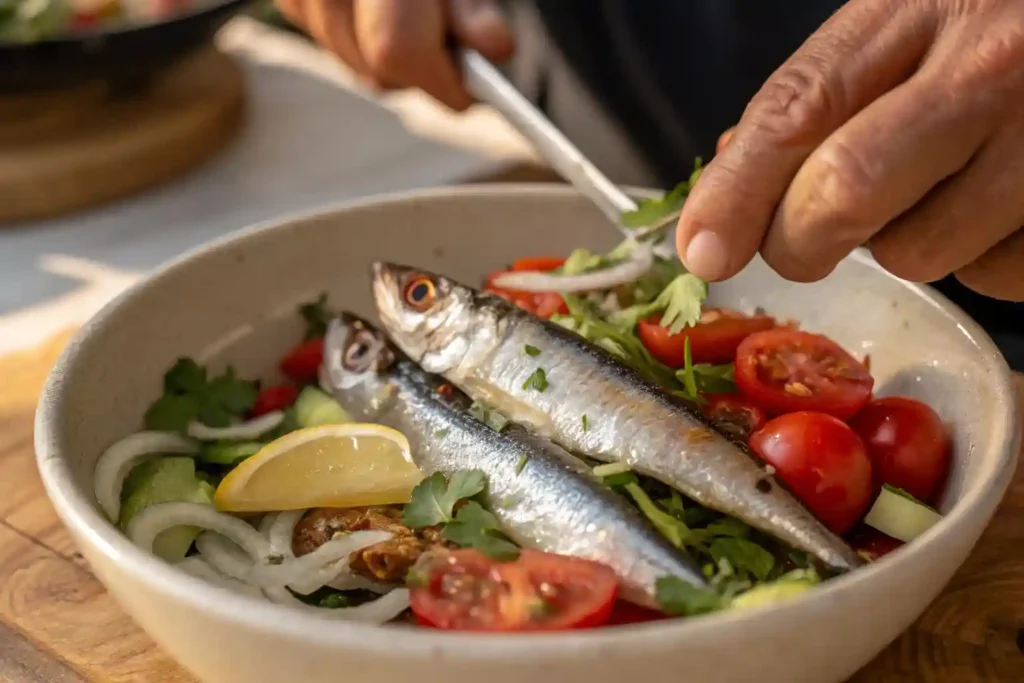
<point x="57" y="623"/>
<point x="65" y="151"/>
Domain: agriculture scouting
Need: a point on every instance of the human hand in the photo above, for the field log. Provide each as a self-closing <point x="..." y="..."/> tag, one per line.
<point x="404" y="43"/>
<point x="899" y="125"/>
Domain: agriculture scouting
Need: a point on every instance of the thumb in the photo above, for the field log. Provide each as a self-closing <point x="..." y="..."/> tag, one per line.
<point x="479" y="24"/>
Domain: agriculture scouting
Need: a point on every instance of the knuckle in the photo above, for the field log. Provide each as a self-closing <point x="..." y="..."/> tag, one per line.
<point x="387" y="55"/>
<point x="791" y="264"/>
<point x="905" y="260"/>
<point x="841" y="185"/>
<point x="798" y="102"/>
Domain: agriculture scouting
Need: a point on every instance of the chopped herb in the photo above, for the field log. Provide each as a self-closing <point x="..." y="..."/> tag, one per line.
<point x="671" y="528"/>
<point x="715" y="379"/>
<point x="433" y="499"/>
<point x="475" y="527"/>
<point x="541" y="608"/>
<point x="679" y="303"/>
<point x="333" y="601"/>
<point x="611" y="468"/>
<point x="317" y="317"/>
<point x="521" y="464"/>
<point x="441" y="433"/>
<point x="687" y="377"/>
<point x="679" y="598"/>
<point x="190" y="395"/>
<point x="583" y="419"/>
<point x="489" y="416"/>
<point x="581" y="261"/>
<point x="620" y="479"/>
<point x="744" y="556"/>
<point x="538" y="380"/>
<point x="531" y="350"/>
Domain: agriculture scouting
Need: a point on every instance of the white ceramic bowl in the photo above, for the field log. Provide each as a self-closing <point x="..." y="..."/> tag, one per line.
<point x="234" y="301"/>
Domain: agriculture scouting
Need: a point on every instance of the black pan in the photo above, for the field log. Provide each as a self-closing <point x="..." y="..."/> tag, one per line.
<point x="121" y="55"/>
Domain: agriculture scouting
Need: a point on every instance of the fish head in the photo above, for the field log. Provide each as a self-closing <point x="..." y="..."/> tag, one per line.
<point x="357" y="360"/>
<point x="430" y="317"/>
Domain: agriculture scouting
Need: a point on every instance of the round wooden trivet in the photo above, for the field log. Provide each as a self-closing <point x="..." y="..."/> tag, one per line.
<point x="65" y="151"/>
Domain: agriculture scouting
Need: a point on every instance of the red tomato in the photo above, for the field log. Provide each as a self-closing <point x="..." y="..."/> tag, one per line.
<point x="712" y="340"/>
<point x="465" y="590"/>
<point x="628" y="613"/>
<point x="302" y="363"/>
<point x="734" y="415"/>
<point x="873" y="544"/>
<point x="542" y="263"/>
<point x="785" y="370"/>
<point x="543" y="304"/>
<point x="274" y="398"/>
<point x="907" y="443"/>
<point x="822" y="461"/>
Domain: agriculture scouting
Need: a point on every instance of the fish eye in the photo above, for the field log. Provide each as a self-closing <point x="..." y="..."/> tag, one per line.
<point x="420" y="293"/>
<point x="359" y="351"/>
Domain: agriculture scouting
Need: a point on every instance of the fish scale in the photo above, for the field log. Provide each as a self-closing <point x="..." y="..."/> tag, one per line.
<point x="478" y="343"/>
<point x="544" y="497"/>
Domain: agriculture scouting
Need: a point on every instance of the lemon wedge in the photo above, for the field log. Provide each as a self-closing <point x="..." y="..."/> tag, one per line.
<point x="338" y="465"/>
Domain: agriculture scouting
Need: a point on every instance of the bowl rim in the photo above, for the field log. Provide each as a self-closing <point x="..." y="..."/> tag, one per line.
<point x="77" y="510"/>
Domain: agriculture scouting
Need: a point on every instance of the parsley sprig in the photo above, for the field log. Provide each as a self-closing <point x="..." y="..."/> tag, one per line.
<point x="471" y="525"/>
<point x="189" y="394"/>
<point x="317" y="317"/>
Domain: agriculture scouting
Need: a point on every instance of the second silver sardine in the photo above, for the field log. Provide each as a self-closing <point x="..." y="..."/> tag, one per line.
<point x="543" y="496"/>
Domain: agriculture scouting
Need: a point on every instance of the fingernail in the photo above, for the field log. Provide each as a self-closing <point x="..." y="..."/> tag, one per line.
<point x="707" y="256"/>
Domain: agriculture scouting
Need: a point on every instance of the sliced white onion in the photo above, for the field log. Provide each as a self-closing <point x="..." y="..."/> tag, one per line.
<point x="155" y="519"/>
<point x="244" y="431"/>
<point x="315" y="566"/>
<point x="199" y="568"/>
<point x="640" y="261"/>
<point x="379" y="611"/>
<point x="224" y="556"/>
<point x="281" y="530"/>
<point x="118" y="460"/>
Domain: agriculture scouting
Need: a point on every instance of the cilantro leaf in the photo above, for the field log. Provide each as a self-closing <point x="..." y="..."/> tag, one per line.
<point x="679" y="303"/>
<point x="333" y="601"/>
<point x="189" y="395"/>
<point x="171" y="413"/>
<point x="744" y="556"/>
<point x="651" y="212"/>
<point x="679" y="598"/>
<point x="317" y="317"/>
<point x="433" y="500"/>
<point x="475" y="527"/>
<point x="531" y="350"/>
<point x="715" y="379"/>
<point x="582" y="260"/>
<point x="185" y="377"/>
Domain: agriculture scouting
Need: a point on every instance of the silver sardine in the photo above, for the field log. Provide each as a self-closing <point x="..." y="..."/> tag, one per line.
<point x="587" y="401"/>
<point x="543" y="496"/>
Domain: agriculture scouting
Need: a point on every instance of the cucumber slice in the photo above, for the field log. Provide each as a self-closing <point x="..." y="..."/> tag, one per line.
<point x="166" y="480"/>
<point x="770" y="593"/>
<point x="898" y="514"/>
<point x="229" y="452"/>
<point x="314" y="408"/>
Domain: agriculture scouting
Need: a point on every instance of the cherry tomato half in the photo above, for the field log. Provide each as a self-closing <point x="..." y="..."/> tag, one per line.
<point x="628" y="613"/>
<point x="822" y="461"/>
<point x="543" y="304"/>
<point x="274" y="398"/>
<point x="302" y="363"/>
<point x="734" y="415"/>
<point x="712" y="340"/>
<point x="465" y="590"/>
<point x="907" y="443"/>
<point x="785" y="370"/>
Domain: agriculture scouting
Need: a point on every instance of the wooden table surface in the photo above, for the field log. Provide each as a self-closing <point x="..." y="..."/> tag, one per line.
<point x="58" y="625"/>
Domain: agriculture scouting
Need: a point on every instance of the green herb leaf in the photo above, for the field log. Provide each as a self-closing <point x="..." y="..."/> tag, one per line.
<point x="521" y="464"/>
<point x="433" y="500"/>
<point x="188" y="395"/>
<point x="679" y="303"/>
<point x="671" y="528"/>
<point x="475" y="527"/>
<point x="489" y="416"/>
<point x="679" y="598"/>
<point x="531" y="350"/>
<point x="715" y="379"/>
<point x="317" y="317"/>
<point x="538" y="380"/>
<point x="744" y="556"/>
<point x="583" y="419"/>
<point x="650" y="212"/>
<point x="581" y="261"/>
<point x="333" y="601"/>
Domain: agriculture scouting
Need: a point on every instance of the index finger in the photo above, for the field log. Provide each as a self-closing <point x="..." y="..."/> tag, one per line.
<point x="867" y="48"/>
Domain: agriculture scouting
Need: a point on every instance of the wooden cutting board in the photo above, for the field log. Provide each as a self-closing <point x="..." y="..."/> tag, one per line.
<point x="58" y="625"/>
